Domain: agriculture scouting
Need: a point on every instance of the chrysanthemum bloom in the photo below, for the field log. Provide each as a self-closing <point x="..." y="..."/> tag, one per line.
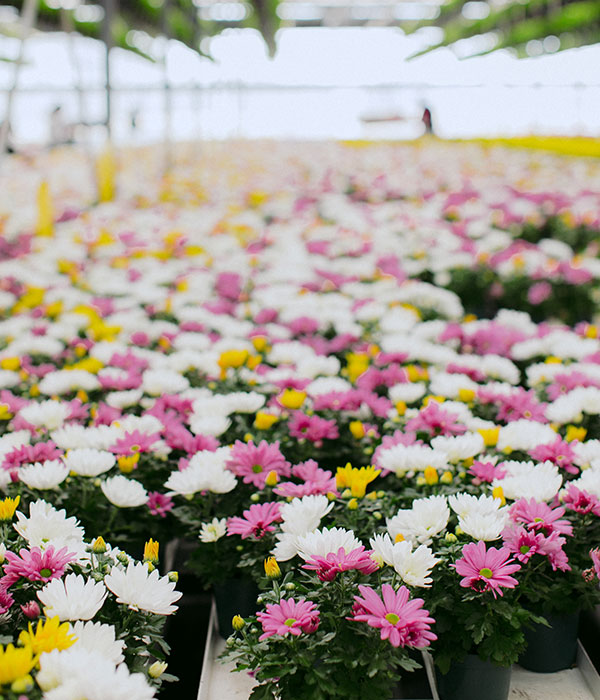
<point x="8" y="506"/>
<point x="6" y="600"/>
<point x="581" y="501"/>
<point x="485" y="570"/>
<point x="256" y="521"/>
<point x="159" y="503"/>
<point x="36" y="565"/>
<point x="134" y="442"/>
<point x="289" y="617"/>
<point x="312" y="428"/>
<point x="254" y="462"/>
<point x="49" y="634"/>
<point x="436" y="421"/>
<point x="141" y="589"/>
<point x="521" y="542"/>
<point x="595" y="557"/>
<point x="560" y="452"/>
<point x="329" y="566"/>
<point x="73" y="598"/>
<point x="540" y="517"/>
<point x="316" y="481"/>
<point x="404" y="622"/>
<point x="355" y="479"/>
<point x="15" y="663"/>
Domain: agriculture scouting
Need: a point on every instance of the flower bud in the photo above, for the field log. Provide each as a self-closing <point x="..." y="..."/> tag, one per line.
<point x="272" y="569"/>
<point x="451" y="537"/>
<point x="123" y="558"/>
<point x="173" y="576"/>
<point x="31" y="610"/>
<point x="290" y="586"/>
<point x="238" y="623"/>
<point x="272" y="478"/>
<point x="22" y="685"/>
<point x="352" y="504"/>
<point x="157" y="669"/>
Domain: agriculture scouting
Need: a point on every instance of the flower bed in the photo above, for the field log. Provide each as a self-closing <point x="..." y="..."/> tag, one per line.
<point x="273" y="352"/>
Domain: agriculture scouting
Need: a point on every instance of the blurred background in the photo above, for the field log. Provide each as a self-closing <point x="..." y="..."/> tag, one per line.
<point x="302" y="70"/>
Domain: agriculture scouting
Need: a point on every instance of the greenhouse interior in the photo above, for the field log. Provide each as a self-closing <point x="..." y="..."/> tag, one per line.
<point x="300" y="350"/>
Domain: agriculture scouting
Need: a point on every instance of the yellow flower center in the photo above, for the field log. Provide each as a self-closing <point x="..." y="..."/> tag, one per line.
<point x="290" y="621"/>
<point x="486" y="573"/>
<point x="392" y="618"/>
<point x="257" y="469"/>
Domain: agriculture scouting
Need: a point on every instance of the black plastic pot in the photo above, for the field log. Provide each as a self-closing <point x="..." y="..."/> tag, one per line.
<point x="234" y="597"/>
<point x="551" y="649"/>
<point x="474" y="679"/>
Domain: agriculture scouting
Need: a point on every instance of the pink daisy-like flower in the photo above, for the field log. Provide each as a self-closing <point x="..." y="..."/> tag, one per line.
<point x="540" y="517"/>
<point x="36" y="565"/>
<point x="330" y="566"/>
<point x="486" y="569"/>
<point x="552" y="547"/>
<point x="254" y="462"/>
<point x="256" y="521"/>
<point x="159" y="503"/>
<point x="404" y="622"/>
<point x="522" y="543"/>
<point x="436" y="421"/>
<point x="560" y="452"/>
<point x="595" y="557"/>
<point x="6" y="600"/>
<point x="316" y="481"/>
<point x="312" y="428"/>
<point x="289" y="617"/>
<point x="134" y="442"/>
<point x="581" y="501"/>
<point x="486" y="471"/>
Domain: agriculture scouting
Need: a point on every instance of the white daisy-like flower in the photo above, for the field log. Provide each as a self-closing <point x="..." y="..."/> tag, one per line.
<point x="567" y="408"/>
<point x="324" y="542"/>
<point x="123" y="492"/>
<point x="72" y="598"/>
<point x="325" y="385"/>
<point x="302" y="515"/>
<point x="162" y="381"/>
<point x="421" y="523"/>
<point x="214" y="530"/>
<point x="209" y="425"/>
<point x="409" y="392"/>
<point x="124" y="399"/>
<point x="44" y="475"/>
<point x="484" y="526"/>
<point x="450" y="385"/>
<point x="8" y="379"/>
<point x="86" y="461"/>
<point x="402" y="459"/>
<point x="46" y="414"/>
<point x="78" y="673"/>
<point x="205" y="475"/>
<point x="47" y="526"/>
<point x="18" y="438"/>
<point x="529" y="480"/>
<point x="464" y="504"/>
<point x="524" y="435"/>
<point x="141" y="589"/>
<point x="382" y="549"/>
<point x="100" y="639"/>
<point x="245" y="401"/>
<point x="413" y="567"/>
<point x="99" y="437"/>
<point x="589" y="481"/>
<point x="459" y="447"/>
<point x="586" y="452"/>
<point x="65" y="381"/>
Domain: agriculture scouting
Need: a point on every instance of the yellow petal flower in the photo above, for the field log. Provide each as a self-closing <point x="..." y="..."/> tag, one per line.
<point x="15" y="663"/>
<point x="49" y="634"/>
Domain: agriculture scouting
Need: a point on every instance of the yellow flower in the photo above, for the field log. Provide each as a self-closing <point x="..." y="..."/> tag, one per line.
<point x="99" y="545"/>
<point x="466" y="395"/>
<point x="431" y="475"/>
<point x="157" y="669"/>
<point x="357" y="364"/>
<point x="11" y="363"/>
<point x="446" y="477"/>
<point x="8" y="506"/>
<point x="292" y="399"/>
<point x="498" y="492"/>
<point x="357" y="429"/>
<point x="233" y="359"/>
<point x="264" y="421"/>
<point x="151" y="551"/>
<point x="489" y="435"/>
<point x="272" y="569"/>
<point x="272" y="478"/>
<point x="575" y="432"/>
<point x="127" y="463"/>
<point x="16" y="663"/>
<point x="5" y="414"/>
<point x="260" y="343"/>
<point x="49" y="634"/>
<point x="353" y="504"/>
<point x="238" y="623"/>
<point x="401" y="407"/>
<point x="355" y="479"/>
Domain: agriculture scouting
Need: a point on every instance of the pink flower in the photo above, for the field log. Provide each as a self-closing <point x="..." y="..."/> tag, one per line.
<point x="486" y="471"/>
<point x="581" y="501"/>
<point x="552" y="547"/>
<point x="289" y="617"/>
<point x="254" y="462"/>
<point x="539" y="292"/>
<point x="540" y="517"/>
<point x="560" y="452"/>
<point x="31" y="610"/>
<point x="28" y="454"/>
<point x="522" y="543"/>
<point x="256" y="521"/>
<point x="521" y="404"/>
<point x="159" y="503"/>
<point x="404" y="622"/>
<point x="36" y="565"/>
<point x="595" y="556"/>
<point x="330" y="566"/>
<point x="312" y="428"/>
<point x="485" y="570"/>
<point x="134" y="442"/>
<point x="316" y="481"/>
<point x="436" y="421"/>
<point x="6" y="600"/>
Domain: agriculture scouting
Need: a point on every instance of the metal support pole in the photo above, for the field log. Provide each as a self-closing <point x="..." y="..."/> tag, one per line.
<point x="110" y="11"/>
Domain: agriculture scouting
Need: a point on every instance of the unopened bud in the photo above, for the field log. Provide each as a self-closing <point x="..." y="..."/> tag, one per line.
<point x="238" y="623"/>
<point x="157" y="669"/>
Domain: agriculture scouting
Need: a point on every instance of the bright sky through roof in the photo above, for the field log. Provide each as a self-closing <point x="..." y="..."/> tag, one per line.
<point x="318" y="57"/>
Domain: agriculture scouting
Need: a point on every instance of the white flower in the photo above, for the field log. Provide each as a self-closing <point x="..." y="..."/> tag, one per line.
<point x="383" y="549"/>
<point x="8" y="379"/>
<point x="401" y="459"/>
<point x="209" y="425"/>
<point x="44" y="475"/>
<point x="205" y="472"/>
<point x="324" y="542"/>
<point x="414" y="568"/>
<point x="162" y="381"/>
<point x="409" y="392"/>
<point x="64" y="381"/>
<point x="524" y="435"/>
<point x="123" y="492"/>
<point x="143" y="590"/>
<point x="302" y="515"/>
<point x="464" y="504"/>
<point x="77" y="673"/>
<point x="459" y="447"/>
<point x="421" y="523"/>
<point x="47" y="526"/>
<point x="100" y="639"/>
<point x="529" y="480"/>
<point x="100" y="437"/>
<point x="586" y="452"/>
<point x="123" y="399"/>
<point x="484" y="526"/>
<point x="214" y="530"/>
<point x="87" y="461"/>
<point x="47" y="414"/>
<point x="72" y="598"/>
<point x="588" y="481"/>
